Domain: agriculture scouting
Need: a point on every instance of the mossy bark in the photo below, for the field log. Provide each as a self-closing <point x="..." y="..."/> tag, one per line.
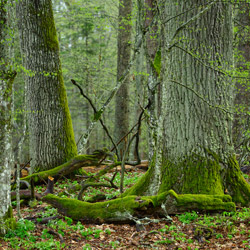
<point x="67" y="168"/>
<point x="51" y="133"/>
<point x="7" y="222"/>
<point x="128" y="208"/>
<point x="199" y="175"/>
<point x="7" y="76"/>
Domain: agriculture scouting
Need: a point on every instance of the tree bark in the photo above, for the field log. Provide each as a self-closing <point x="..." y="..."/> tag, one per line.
<point x="154" y="134"/>
<point x="6" y="80"/>
<point x="241" y="122"/>
<point x="198" y="163"/>
<point x="50" y="128"/>
<point x="197" y="154"/>
<point x="122" y="95"/>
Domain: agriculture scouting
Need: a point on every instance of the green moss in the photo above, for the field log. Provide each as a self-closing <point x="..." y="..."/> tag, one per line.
<point x="121" y="209"/>
<point x="187" y="202"/>
<point x="141" y="186"/>
<point x="157" y="62"/>
<point x="203" y="202"/>
<point x="98" y="115"/>
<point x="194" y="175"/>
<point x="118" y="209"/>
<point x="50" y="43"/>
<point x="8" y="222"/>
<point x="236" y="185"/>
<point x="48" y="24"/>
<point x="64" y="169"/>
<point x="69" y="145"/>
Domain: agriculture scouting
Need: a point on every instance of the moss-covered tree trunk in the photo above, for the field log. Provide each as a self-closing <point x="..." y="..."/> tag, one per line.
<point x="50" y="128"/>
<point x="197" y="155"/>
<point x="6" y="81"/>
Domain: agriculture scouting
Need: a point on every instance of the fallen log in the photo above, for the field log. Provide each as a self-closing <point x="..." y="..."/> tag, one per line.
<point x="25" y="195"/>
<point x="127" y="208"/>
<point x="67" y="168"/>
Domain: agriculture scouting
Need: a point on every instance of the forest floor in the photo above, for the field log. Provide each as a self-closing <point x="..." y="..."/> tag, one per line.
<point x="185" y="231"/>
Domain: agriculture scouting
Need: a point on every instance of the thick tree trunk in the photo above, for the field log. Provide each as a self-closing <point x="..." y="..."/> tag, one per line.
<point x="49" y="122"/>
<point x="124" y="51"/>
<point x="6" y="81"/>
<point x="197" y="155"/>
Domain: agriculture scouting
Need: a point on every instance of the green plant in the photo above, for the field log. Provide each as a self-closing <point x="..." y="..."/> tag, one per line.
<point x="114" y="244"/>
<point x="219" y="236"/>
<point x="68" y="220"/>
<point x="166" y="241"/>
<point x="46" y="235"/>
<point x="49" y="244"/>
<point x="22" y="229"/>
<point x="187" y="217"/>
<point x="87" y="247"/>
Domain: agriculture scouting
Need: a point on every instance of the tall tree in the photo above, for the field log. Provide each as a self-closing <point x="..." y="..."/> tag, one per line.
<point x="197" y="155"/>
<point x="153" y="51"/>
<point x="124" y="51"/>
<point x="6" y="80"/>
<point x="49" y="122"/>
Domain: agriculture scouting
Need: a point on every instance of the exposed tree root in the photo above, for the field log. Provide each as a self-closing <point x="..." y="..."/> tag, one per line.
<point x="69" y="167"/>
<point x="124" y="209"/>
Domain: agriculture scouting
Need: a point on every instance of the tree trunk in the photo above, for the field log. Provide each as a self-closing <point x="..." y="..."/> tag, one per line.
<point x="6" y="81"/>
<point x="241" y="122"/>
<point x="155" y="135"/>
<point x="198" y="162"/>
<point x="49" y="122"/>
<point x="197" y="155"/>
<point x="124" y="51"/>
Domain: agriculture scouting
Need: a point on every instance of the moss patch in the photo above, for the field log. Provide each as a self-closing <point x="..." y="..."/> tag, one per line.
<point x="236" y="185"/>
<point x="66" y="168"/>
<point x="194" y="175"/>
<point x="119" y="209"/>
<point x="8" y="222"/>
<point x="122" y="209"/>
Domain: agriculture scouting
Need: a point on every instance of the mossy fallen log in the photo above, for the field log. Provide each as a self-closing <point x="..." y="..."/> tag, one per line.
<point x="67" y="168"/>
<point x="129" y="207"/>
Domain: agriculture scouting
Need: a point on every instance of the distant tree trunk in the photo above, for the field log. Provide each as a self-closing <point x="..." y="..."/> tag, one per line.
<point x="152" y="48"/>
<point x="124" y="51"/>
<point x="242" y="100"/>
<point x="6" y="80"/>
<point x="49" y="122"/>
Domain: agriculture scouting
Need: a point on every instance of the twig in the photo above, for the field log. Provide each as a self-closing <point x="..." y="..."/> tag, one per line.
<point x="95" y="113"/>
